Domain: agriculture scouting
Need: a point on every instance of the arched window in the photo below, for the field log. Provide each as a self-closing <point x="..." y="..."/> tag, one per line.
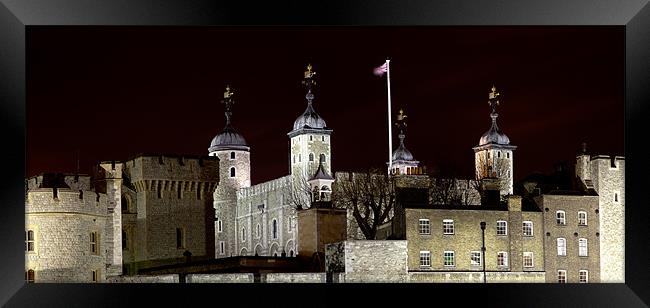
<point x="243" y="234"/>
<point x="275" y="229"/>
<point x="232" y="172"/>
<point x="582" y="247"/>
<point x="30" y="276"/>
<point x="125" y="205"/>
<point x="561" y="246"/>
<point x="311" y="156"/>
<point x="560" y="217"/>
<point x="232" y="155"/>
<point x="125" y="245"/>
<point x="290" y="253"/>
<point x="499" y="154"/>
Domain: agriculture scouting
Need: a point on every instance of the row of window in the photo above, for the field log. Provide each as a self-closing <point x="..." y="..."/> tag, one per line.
<point x="583" y="276"/>
<point x="311" y="157"/>
<point x="560" y="218"/>
<point x="498" y="154"/>
<point x="30" y="242"/>
<point x="448" y="227"/>
<point x="311" y="138"/>
<point x="582" y="247"/>
<point x="449" y="258"/>
<point x="258" y="230"/>
<point x="30" y="276"/>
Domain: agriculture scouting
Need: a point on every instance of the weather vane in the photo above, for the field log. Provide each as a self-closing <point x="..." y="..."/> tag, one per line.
<point x="227" y="99"/>
<point x="401" y="120"/>
<point x="493" y="99"/>
<point x="309" y="77"/>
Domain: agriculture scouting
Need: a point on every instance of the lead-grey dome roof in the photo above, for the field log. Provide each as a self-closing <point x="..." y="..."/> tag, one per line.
<point x="309" y="119"/>
<point x="228" y="139"/>
<point x="401" y="153"/>
<point x="494" y="134"/>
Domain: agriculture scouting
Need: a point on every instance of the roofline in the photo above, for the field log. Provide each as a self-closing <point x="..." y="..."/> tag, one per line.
<point x="304" y="130"/>
<point x="494" y="145"/>
<point x="144" y="154"/>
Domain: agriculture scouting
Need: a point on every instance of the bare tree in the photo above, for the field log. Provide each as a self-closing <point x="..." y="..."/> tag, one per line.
<point x="491" y="167"/>
<point x="300" y="192"/>
<point x="370" y="196"/>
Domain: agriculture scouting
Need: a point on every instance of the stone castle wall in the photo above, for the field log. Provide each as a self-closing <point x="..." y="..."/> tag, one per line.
<point x="609" y="182"/>
<point x="172" y="192"/>
<point x="368" y="261"/>
<point x="62" y="227"/>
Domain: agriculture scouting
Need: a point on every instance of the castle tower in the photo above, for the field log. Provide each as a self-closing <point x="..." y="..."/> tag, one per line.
<point x="493" y="156"/>
<point x="111" y="183"/>
<point x="606" y="175"/>
<point x="403" y="161"/>
<point x="234" y="173"/>
<point x="309" y="139"/>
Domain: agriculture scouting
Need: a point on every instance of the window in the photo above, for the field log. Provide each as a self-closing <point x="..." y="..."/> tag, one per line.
<point x="560" y="217"/>
<point x="582" y="218"/>
<point x="616" y="197"/>
<point x="198" y="191"/>
<point x="425" y="226"/>
<point x="528" y="259"/>
<point x="448" y="258"/>
<point x="502" y="227"/>
<point x="219" y="226"/>
<point x="528" y="228"/>
<point x="311" y="138"/>
<point x="583" y="276"/>
<point x="95" y="276"/>
<point x="582" y="247"/>
<point x="232" y="155"/>
<point x="561" y="276"/>
<point x="561" y="246"/>
<point x="475" y="258"/>
<point x="222" y="247"/>
<point x="447" y="226"/>
<point x="243" y="234"/>
<point x="125" y="245"/>
<point x="311" y="156"/>
<point x="499" y="154"/>
<point x="294" y="159"/>
<point x="159" y="189"/>
<point x="508" y="155"/>
<point x="322" y="138"/>
<point x="179" y="238"/>
<point x="30" y="276"/>
<point x="502" y="258"/>
<point x="258" y="231"/>
<point x="29" y="241"/>
<point x="179" y="190"/>
<point x="425" y="259"/>
<point x="232" y="172"/>
<point x="299" y="157"/>
<point x="275" y="229"/>
<point x="94" y="243"/>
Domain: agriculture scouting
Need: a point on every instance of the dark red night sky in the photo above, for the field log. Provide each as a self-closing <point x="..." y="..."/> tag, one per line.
<point x="114" y="92"/>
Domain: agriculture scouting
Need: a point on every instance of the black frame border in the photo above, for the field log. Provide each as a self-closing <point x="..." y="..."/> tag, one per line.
<point x="16" y="17"/>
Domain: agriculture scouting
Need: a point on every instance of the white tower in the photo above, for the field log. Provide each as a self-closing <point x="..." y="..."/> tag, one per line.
<point x="234" y="173"/>
<point x="493" y="156"/>
<point x="309" y="139"/>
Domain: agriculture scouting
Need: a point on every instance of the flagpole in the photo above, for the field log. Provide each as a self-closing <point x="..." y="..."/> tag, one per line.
<point x="390" y="131"/>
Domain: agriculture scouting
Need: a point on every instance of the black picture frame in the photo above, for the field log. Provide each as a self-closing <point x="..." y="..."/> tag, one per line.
<point x="16" y="16"/>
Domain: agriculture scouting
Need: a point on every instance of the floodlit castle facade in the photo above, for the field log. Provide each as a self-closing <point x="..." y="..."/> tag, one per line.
<point x="157" y="211"/>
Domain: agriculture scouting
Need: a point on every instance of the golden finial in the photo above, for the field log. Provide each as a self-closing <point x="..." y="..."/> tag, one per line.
<point x="494" y="93"/>
<point x="228" y="93"/>
<point x="308" y="72"/>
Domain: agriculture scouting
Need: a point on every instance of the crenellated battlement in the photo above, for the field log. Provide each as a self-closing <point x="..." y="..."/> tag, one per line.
<point x="173" y="168"/>
<point x="44" y="200"/>
<point x="265" y="187"/>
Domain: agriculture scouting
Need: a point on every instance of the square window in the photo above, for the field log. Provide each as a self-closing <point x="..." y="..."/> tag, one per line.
<point x="528" y="259"/>
<point x="502" y="258"/>
<point x="561" y="276"/>
<point x="475" y="258"/>
<point x="583" y="276"/>
<point x="448" y="258"/>
<point x="447" y="226"/>
<point x="425" y="258"/>
<point x="528" y="228"/>
<point x="582" y="218"/>
<point x="425" y="227"/>
<point x="560" y="217"/>
<point x="502" y="227"/>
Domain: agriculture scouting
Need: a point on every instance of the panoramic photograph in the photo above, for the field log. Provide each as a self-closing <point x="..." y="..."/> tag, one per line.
<point x="325" y="155"/>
